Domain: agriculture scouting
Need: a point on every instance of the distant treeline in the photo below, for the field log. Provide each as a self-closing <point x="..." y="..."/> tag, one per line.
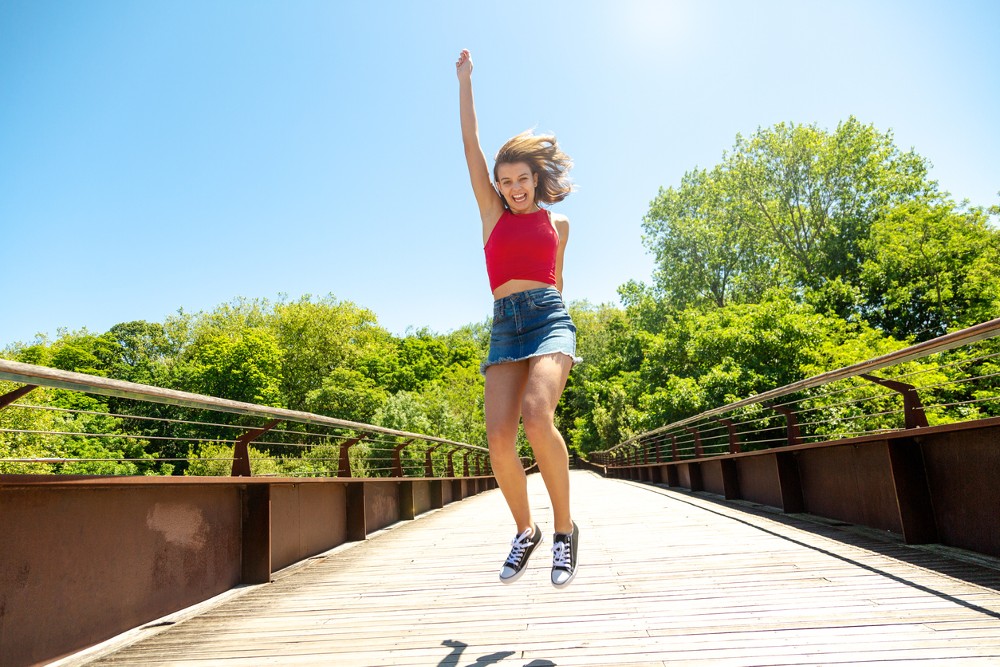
<point x="803" y="250"/>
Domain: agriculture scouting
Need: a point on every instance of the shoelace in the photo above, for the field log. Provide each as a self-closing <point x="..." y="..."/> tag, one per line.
<point x="518" y="545"/>
<point x="562" y="555"/>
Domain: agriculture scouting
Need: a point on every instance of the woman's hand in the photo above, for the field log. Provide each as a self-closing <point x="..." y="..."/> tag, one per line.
<point x="463" y="66"/>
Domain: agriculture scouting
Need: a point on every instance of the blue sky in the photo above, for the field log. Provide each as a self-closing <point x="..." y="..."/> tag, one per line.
<point x="157" y="155"/>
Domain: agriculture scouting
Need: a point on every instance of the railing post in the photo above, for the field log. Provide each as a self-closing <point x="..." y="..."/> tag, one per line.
<point x="913" y="496"/>
<point x="450" y="469"/>
<point x="734" y="440"/>
<point x="658" y="452"/>
<point x="255" y="561"/>
<point x="465" y="464"/>
<point x="344" y="469"/>
<point x="791" y="425"/>
<point x="913" y="409"/>
<point x="397" y="461"/>
<point x="241" y="453"/>
<point x="429" y="462"/>
<point x="674" y="454"/>
<point x="12" y="396"/>
<point x="698" y="452"/>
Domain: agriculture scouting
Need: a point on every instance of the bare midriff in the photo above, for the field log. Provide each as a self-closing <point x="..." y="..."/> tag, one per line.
<point x="517" y="285"/>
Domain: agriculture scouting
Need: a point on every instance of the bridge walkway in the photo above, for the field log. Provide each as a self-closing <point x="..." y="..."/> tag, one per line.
<point x="667" y="577"/>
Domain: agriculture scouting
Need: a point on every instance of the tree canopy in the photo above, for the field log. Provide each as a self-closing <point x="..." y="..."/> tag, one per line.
<point x="802" y="250"/>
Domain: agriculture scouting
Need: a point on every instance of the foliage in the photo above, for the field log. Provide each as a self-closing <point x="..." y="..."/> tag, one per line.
<point x="931" y="267"/>
<point x="705" y="250"/>
<point x="71" y="426"/>
<point x="803" y="250"/>
<point x="347" y="394"/>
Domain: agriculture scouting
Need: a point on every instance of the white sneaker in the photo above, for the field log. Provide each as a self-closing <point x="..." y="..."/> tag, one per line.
<point x="564" y="562"/>
<point x="521" y="549"/>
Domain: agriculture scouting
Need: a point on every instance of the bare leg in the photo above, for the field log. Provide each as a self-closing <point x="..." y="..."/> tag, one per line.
<point x="505" y="385"/>
<point x="546" y="379"/>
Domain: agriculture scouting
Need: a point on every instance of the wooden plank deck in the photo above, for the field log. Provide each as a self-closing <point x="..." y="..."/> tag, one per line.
<point x="667" y="578"/>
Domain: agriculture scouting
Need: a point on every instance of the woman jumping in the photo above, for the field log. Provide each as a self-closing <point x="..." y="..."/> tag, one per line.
<point x="533" y="340"/>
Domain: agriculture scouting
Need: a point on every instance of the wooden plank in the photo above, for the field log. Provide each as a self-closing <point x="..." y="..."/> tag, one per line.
<point x="667" y="578"/>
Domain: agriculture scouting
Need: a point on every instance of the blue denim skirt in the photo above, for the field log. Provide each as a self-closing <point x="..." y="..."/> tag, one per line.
<point x="529" y="324"/>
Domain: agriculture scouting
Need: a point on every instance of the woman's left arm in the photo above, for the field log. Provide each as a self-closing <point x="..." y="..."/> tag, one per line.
<point x="561" y="223"/>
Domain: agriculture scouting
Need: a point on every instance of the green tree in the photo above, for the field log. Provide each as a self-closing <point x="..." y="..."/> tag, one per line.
<point x="140" y="351"/>
<point x="931" y="267"/>
<point x="816" y="194"/>
<point x="706" y="249"/>
<point x="347" y="394"/>
<point x="318" y="336"/>
<point x="245" y="366"/>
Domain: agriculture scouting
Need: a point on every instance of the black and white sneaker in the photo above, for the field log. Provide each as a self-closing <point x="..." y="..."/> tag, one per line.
<point x="564" y="557"/>
<point x="520" y="551"/>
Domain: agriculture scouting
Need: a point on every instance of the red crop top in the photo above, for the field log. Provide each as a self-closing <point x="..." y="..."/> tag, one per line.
<point x="522" y="247"/>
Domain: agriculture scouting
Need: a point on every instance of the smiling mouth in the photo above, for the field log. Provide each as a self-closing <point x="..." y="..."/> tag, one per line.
<point x="520" y="199"/>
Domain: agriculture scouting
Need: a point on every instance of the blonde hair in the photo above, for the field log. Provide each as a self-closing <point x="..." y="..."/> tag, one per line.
<point x="543" y="155"/>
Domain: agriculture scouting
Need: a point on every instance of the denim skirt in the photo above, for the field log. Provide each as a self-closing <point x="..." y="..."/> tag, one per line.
<point x="529" y="324"/>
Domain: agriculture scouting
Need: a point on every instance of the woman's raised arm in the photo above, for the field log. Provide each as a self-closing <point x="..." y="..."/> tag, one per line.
<point x="490" y="204"/>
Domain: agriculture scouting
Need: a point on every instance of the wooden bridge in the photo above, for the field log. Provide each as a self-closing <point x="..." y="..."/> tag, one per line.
<point x="821" y="523"/>
<point x="668" y="577"/>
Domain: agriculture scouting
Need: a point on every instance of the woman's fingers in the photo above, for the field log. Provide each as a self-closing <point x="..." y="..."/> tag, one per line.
<point x="463" y="58"/>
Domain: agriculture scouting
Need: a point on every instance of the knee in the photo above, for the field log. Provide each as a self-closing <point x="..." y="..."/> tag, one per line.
<point x="538" y="423"/>
<point x="502" y="444"/>
<point x="500" y="436"/>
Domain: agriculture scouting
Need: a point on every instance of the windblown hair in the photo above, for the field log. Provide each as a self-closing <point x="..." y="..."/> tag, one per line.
<point x="543" y="155"/>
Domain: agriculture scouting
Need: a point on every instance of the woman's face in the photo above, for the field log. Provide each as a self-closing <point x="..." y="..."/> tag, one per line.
<point x="517" y="185"/>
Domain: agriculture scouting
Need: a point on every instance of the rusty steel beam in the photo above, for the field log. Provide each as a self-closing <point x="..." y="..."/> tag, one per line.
<point x="698" y="452"/>
<point x="913" y="496"/>
<point x="397" y="461"/>
<point x="429" y="462"/>
<point x="241" y="451"/>
<point x="792" y="433"/>
<point x="789" y="483"/>
<point x="12" y="396"/>
<point x="344" y="463"/>
<point x="255" y="561"/>
<point x="730" y="479"/>
<point x="913" y="409"/>
<point x="734" y="440"/>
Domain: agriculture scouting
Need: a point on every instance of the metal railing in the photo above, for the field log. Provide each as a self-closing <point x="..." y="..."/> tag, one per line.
<point x="950" y="379"/>
<point x="152" y="430"/>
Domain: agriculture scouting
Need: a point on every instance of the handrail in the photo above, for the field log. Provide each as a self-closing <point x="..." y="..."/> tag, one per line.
<point x="982" y="331"/>
<point x="15" y="371"/>
<point x="378" y="442"/>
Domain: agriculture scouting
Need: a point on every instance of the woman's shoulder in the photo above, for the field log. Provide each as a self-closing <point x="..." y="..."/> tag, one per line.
<point x="559" y="220"/>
